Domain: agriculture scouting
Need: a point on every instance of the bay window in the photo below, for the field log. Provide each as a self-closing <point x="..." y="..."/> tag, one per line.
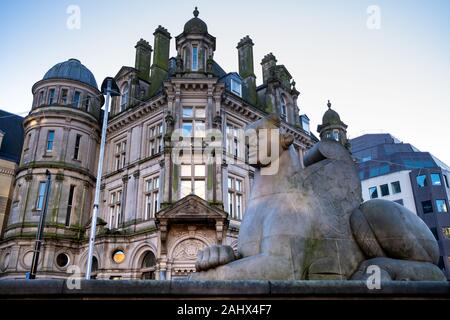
<point x="235" y="197"/>
<point x="115" y="209"/>
<point x="234" y="143"/>
<point x="120" y="155"/>
<point x="193" y="178"/>
<point x="156" y="141"/>
<point x="194" y="121"/>
<point x="151" y="197"/>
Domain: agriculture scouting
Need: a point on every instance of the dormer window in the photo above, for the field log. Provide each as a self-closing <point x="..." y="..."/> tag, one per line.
<point x="194" y="58"/>
<point x="305" y="123"/>
<point x="124" y="98"/>
<point x="236" y="87"/>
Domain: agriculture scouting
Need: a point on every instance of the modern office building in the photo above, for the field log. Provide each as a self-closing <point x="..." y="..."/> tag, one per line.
<point x="11" y="141"/>
<point x="393" y="170"/>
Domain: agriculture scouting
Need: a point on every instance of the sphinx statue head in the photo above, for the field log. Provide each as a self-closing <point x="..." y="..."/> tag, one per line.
<point x="267" y="142"/>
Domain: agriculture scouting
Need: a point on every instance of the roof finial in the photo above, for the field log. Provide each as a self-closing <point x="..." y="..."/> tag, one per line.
<point x="196" y="12"/>
<point x="329" y="104"/>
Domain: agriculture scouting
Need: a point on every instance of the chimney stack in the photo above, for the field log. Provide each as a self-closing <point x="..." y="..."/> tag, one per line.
<point x="246" y="70"/>
<point x="268" y="64"/>
<point x="143" y="59"/>
<point x="160" y="67"/>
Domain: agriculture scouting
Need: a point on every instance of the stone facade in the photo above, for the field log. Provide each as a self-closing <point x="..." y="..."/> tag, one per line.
<point x="155" y="214"/>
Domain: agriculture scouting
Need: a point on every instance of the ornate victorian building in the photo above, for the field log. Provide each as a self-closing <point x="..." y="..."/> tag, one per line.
<point x="155" y="213"/>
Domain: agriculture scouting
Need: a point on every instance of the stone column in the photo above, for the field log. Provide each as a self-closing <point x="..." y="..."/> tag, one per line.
<point x="84" y="207"/>
<point x="219" y="232"/>
<point x="166" y="183"/>
<point x="65" y="141"/>
<point x="218" y="196"/>
<point x="124" y="208"/>
<point x="226" y="205"/>
<point x="162" y="175"/>
<point x="143" y="138"/>
<point x="27" y="189"/>
<point x="210" y="168"/>
<point x="36" y="143"/>
<point x="90" y="157"/>
<point x="295" y="95"/>
<point x="55" y="207"/>
<point x="162" y="261"/>
<point x="134" y="201"/>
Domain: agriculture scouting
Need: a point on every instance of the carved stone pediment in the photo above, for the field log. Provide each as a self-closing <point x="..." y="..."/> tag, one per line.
<point x="191" y="210"/>
<point x="124" y="71"/>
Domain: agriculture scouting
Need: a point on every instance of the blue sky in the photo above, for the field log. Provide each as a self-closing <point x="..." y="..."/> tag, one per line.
<point x="395" y="79"/>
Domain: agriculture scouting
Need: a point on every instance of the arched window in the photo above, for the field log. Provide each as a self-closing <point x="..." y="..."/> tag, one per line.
<point x="94" y="264"/>
<point x="124" y="97"/>
<point x="94" y="268"/>
<point x="283" y="109"/>
<point x="194" y="66"/>
<point x="148" y="266"/>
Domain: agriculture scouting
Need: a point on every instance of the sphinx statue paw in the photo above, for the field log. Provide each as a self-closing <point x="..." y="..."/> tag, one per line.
<point x="214" y="256"/>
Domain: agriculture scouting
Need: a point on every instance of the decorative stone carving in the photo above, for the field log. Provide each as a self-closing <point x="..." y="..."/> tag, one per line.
<point x="29" y="176"/>
<point x="187" y="249"/>
<point x="59" y="176"/>
<point x="209" y="65"/>
<point x="314" y="227"/>
<point x="190" y="209"/>
<point x="179" y="65"/>
<point x="217" y="121"/>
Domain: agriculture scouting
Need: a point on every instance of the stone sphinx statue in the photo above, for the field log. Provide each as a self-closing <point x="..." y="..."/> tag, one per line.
<point x="308" y="222"/>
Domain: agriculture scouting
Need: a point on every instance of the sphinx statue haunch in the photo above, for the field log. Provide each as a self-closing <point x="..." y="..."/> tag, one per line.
<point x="308" y="222"/>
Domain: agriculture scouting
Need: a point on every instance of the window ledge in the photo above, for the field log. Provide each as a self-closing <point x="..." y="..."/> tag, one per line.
<point x="36" y="211"/>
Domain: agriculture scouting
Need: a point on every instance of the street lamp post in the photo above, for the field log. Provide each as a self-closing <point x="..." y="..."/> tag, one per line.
<point x="40" y="233"/>
<point x="110" y="89"/>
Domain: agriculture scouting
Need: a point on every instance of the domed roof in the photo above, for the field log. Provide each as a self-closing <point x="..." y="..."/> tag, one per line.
<point x="330" y="116"/>
<point x="71" y="69"/>
<point x="196" y="25"/>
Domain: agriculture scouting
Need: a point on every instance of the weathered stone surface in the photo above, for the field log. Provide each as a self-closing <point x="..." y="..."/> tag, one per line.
<point x="151" y="289"/>
<point x="395" y="269"/>
<point x="311" y="226"/>
<point x="398" y="233"/>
